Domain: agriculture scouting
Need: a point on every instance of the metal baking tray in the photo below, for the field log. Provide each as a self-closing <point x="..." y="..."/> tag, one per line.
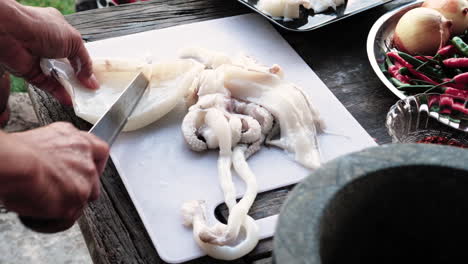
<point x="379" y="41"/>
<point x="310" y="21"/>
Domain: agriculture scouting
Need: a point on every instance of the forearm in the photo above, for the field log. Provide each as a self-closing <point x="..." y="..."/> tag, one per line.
<point x="15" y="166"/>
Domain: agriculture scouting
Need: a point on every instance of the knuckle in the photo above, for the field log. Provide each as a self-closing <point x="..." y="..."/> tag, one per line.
<point x="54" y="11"/>
<point x="99" y="143"/>
<point x="90" y="171"/>
<point x="85" y="145"/>
<point x="63" y="126"/>
<point x="82" y="195"/>
<point x="75" y="34"/>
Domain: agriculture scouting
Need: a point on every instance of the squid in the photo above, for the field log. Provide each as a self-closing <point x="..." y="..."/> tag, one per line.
<point x="238" y="105"/>
<point x="290" y="9"/>
<point x="169" y="82"/>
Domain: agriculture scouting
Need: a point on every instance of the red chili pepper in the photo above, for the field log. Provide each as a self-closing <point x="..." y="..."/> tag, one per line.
<point x="442" y="141"/>
<point x="448" y="50"/>
<point x="421" y="58"/>
<point x="455" y="85"/>
<point x="394" y="71"/>
<point x="399" y="59"/>
<point x="456" y="92"/>
<point x="445" y="104"/>
<point x="434" y="99"/>
<point x="461" y="78"/>
<point x="456" y="62"/>
<point x="460" y="107"/>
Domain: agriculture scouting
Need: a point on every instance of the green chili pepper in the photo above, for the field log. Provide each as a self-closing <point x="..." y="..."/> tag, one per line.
<point x="415" y="88"/>
<point x="383" y="67"/>
<point x="388" y="61"/>
<point x="403" y="71"/>
<point x="417" y="81"/>
<point x="397" y="82"/>
<point x="461" y="45"/>
<point x="425" y="68"/>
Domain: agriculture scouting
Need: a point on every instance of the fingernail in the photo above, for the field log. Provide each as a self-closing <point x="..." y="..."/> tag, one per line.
<point x="92" y="82"/>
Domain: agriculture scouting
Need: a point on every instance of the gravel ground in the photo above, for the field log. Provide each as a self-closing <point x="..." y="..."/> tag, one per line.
<point x="19" y="245"/>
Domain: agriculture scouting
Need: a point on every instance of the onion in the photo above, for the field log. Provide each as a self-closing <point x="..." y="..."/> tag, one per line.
<point x="455" y="10"/>
<point x="422" y="31"/>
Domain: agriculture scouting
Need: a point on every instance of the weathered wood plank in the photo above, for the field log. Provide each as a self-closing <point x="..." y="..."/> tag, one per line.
<point x="144" y="16"/>
<point x="111" y="226"/>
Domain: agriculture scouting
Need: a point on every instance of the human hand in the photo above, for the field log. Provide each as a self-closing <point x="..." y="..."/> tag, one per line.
<point x="42" y="33"/>
<point x="60" y="174"/>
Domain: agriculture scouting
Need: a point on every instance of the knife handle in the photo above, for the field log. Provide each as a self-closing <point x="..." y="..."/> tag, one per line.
<point x="43" y="225"/>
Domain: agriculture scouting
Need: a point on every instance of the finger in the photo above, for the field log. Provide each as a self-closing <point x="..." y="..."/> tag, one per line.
<point x="95" y="191"/>
<point x="100" y="151"/>
<point x="82" y="64"/>
<point x="27" y="66"/>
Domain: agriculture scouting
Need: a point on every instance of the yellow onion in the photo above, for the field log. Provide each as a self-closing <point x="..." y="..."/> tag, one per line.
<point x="422" y="31"/>
<point x="454" y="10"/>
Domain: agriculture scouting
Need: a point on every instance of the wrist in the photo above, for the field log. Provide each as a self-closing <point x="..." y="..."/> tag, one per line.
<point x="16" y="166"/>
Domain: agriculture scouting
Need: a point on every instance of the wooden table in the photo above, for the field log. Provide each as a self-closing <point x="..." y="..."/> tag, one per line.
<point x="111" y="226"/>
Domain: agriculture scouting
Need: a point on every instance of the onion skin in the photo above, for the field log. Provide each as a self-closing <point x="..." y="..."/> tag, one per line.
<point x="422" y="31"/>
<point x="454" y="10"/>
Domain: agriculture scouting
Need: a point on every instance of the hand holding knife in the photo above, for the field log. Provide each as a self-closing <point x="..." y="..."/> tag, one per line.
<point x="107" y="129"/>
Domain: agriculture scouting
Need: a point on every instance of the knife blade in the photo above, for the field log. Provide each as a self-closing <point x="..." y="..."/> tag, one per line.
<point x="112" y="122"/>
<point x="107" y="128"/>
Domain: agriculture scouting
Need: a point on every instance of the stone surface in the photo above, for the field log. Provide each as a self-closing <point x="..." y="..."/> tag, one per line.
<point x="19" y="245"/>
<point x="394" y="200"/>
<point x="22" y="116"/>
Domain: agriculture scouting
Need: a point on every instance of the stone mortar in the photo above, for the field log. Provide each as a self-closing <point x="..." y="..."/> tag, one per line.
<point x="387" y="204"/>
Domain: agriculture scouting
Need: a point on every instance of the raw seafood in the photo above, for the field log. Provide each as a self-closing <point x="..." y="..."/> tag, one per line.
<point x="169" y="82"/>
<point x="290" y="9"/>
<point x="282" y="8"/>
<point x="236" y="103"/>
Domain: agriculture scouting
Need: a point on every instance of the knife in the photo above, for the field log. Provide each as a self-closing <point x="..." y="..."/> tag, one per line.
<point x="112" y="122"/>
<point x="106" y="128"/>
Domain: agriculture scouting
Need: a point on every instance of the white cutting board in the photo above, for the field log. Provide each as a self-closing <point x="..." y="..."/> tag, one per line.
<point x="158" y="169"/>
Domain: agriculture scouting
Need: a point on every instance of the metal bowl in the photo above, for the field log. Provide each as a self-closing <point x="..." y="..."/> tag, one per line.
<point x="427" y="115"/>
<point x="379" y="41"/>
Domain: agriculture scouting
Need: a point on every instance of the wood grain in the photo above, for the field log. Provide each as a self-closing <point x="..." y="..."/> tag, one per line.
<point x="111" y="226"/>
